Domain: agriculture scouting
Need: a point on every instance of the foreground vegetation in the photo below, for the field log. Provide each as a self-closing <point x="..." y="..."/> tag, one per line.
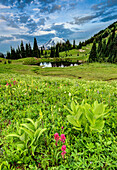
<point x="35" y="127"/>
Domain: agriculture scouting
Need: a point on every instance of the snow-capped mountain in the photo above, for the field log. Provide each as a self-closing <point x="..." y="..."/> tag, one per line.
<point x="53" y="42"/>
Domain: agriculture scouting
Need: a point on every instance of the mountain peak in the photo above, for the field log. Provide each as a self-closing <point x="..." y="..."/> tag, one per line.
<point x="52" y="42"/>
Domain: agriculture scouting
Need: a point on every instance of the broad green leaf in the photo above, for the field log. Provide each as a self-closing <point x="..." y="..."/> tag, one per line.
<point x="99" y="124"/>
<point x="33" y="149"/>
<point x="13" y="135"/>
<point x="40" y="133"/>
<point x="69" y="110"/>
<point x="20" y="146"/>
<point x="28" y="126"/>
<point x="73" y="121"/>
<point x="99" y="108"/>
<point x="80" y="129"/>
<point x="28" y="132"/>
<point x="74" y="107"/>
<point x="88" y="113"/>
<point x="30" y="120"/>
<point x="78" y="115"/>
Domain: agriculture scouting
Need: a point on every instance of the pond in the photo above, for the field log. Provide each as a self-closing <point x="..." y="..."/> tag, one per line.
<point x="58" y="64"/>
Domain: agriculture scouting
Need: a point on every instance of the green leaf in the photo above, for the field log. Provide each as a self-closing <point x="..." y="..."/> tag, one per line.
<point x="13" y="135"/>
<point x="74" y="107"/>
<point x="78" y="128"/>
<point x="28" y="126"/>
<point x="28" y="132"/>
<point x="99" y="124"/>
<point x="20" y="146"/>
<point x="40" y="133"/>
<point x="33" y="149"/>
<point x="88" y="113"/>
<point x="69" y="110"/>
<point x="73" y="121"/>
<point x="30" y="120"/>
<point x="99" y="108"/>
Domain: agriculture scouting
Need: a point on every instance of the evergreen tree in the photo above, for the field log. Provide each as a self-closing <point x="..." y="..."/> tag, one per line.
<point x="13" y="54"/>
<point x="30" y="50"/>
<point x="73" y="44"/>
<point x="57" y="50"/>
<point x="52" y="54"/>
<point x="27" y="50"/>
<point x="79" y="46"/>
<point x="41" y="50"/>
<point x="113" y="33"/>
<point x="22" y="50"/>
<point x="99" y="46"/>
<point x="35" y="48"/>
<point x="39" y="54"/>
<point x="8" y="55"/>
<point x="93" y="53"/>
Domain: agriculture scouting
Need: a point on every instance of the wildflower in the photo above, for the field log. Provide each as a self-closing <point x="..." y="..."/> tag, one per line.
<point x="7" y="84"/>
<point x="56" y="137"/>
<point x="98" y="91"/>
<point x="63" y="153"/>
<point x="63" y="149"/>
<point x="62" y="127"/>
<point x="63" y="138"/>
<point x="69" y="94"/>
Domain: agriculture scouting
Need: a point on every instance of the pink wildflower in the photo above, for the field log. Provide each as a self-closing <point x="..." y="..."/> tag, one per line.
<point x="62" y="127"/>
<point x="56" y="137"/>
<point x="63" y="138"/>
<point x="14" y="82"/>
<point x="7" y="84"/>
<point x="63" y="149"/>
<point x="63" y="154"/>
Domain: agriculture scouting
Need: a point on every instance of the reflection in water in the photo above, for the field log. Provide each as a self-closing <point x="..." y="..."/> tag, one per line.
<point x="58" y="64"/>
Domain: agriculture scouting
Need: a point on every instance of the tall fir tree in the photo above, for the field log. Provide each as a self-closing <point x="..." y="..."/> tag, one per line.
<point x="52" y="54"/>
<point x="22" y="50"/>
<point x="13" y="53"/>
<point x="30" y="50"/>
<point x="27" y="50"/>
<point x="93" y="53"/>
<point x="73" y="44"/>
<point x="8" y="55"/>
<point x="41" y="50"/>
<point x="35" y="48"/>
<point x="57" y="50"/>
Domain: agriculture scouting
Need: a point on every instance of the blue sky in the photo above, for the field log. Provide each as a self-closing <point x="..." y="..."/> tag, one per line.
<point x="45" y="19"/>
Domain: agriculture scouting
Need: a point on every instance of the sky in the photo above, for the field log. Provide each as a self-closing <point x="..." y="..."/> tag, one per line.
<point x="44" y="19"/>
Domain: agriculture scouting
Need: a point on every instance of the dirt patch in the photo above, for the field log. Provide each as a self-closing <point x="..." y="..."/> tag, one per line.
<point x="82" y="50"/>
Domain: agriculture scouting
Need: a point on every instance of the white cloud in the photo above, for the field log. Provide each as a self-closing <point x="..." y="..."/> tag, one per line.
<point x="38" y="33"/>
<point x="14" y="40"/>
<point x="4" y="7"/>
<point x="36" y="9"/>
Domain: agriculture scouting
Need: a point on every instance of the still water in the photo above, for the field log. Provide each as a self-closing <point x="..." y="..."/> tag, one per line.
<point x="58" y="64"/>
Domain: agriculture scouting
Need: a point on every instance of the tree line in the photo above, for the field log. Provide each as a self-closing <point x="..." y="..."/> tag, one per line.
<point x="105" y="50"/>
<point x="27" y="51"/>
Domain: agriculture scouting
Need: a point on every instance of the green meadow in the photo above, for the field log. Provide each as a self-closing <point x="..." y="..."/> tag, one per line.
<point x="58" y="118"/>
